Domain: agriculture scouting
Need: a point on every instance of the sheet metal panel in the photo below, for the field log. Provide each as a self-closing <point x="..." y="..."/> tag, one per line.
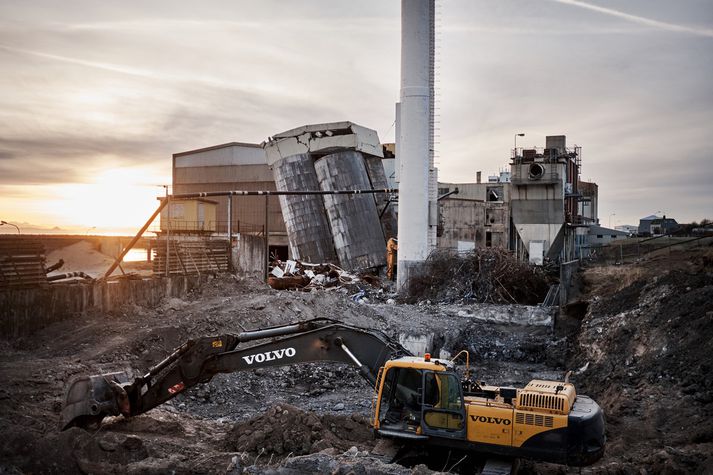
<point x="354" y="220"/>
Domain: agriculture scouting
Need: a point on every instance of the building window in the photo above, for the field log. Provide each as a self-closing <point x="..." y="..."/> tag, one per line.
<point x="613" y="236"/>
<point x="488" y="239"/>
<point x="494" y="193"/>
<point x="600" y="236"/>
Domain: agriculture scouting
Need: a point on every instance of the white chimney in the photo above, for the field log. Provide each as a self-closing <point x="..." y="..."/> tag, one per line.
<point x="415" y="138"/>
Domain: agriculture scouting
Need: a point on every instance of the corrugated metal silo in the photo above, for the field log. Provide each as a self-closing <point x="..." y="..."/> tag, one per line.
<point x="358" y="238"/>
<point x="308" y="229"/>
<point x="377" y="177"/>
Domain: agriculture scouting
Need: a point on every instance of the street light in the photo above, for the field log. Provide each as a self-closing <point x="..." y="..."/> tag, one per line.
<point x="612" y="214"/>
<point x="10" y="224"/>
<point x="516" y="136"/>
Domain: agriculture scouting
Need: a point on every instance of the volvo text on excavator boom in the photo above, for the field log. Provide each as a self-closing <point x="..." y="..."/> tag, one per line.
<point x="419" y="400"/>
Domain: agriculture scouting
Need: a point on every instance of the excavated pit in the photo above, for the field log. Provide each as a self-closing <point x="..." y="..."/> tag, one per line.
<point x="641" y="347"/>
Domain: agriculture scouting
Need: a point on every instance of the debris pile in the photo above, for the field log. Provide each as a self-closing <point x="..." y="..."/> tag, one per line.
<point x="305" y="276"/>
<point x="287" y="430"/>
<point x="487" y="275"/>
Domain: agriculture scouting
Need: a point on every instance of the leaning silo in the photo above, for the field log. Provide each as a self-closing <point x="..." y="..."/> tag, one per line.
<point x="377" y="178"/>
<point x="354" y="221"/>
<point x="308" y="229"/>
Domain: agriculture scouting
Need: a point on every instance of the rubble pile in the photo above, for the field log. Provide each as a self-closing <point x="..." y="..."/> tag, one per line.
<point x="288" y="430"/>
<point x="484" y="275"/>
<point x="305" y="276"/>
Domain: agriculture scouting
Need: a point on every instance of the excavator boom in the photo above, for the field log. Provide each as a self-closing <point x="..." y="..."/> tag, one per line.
<point x="89" y="399"/>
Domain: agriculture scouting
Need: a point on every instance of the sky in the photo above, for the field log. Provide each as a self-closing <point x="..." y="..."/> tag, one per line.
<point x="97" y="96"/>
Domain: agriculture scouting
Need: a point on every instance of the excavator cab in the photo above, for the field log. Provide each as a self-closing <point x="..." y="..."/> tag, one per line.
<point x="419" y="398"/>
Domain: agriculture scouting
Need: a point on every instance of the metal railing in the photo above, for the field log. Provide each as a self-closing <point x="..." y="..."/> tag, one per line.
<point x="238" y="227"/>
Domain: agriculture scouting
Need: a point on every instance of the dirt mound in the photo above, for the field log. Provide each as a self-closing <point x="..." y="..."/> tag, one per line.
<point x="487" y="275"/>
<point x="644" y="354"/>
<point x="73" y="451"/>
<point x="288" y="430"/>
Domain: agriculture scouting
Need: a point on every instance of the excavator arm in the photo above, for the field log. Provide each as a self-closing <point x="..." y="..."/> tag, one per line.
<point x="91" y="398"/>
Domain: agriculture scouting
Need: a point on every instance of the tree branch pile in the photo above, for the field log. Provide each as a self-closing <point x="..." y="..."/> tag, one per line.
<point x="486" y="275"/>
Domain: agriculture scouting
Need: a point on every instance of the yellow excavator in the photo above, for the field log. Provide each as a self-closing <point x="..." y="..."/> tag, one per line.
<point x="417" y="399"/>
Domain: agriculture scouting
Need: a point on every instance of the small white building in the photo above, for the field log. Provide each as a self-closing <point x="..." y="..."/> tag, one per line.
<point x="601" y="236"/>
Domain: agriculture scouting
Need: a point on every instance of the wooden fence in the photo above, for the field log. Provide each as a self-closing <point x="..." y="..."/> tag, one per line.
<point x="22" y="263"/>
<point x="190" y="256"/>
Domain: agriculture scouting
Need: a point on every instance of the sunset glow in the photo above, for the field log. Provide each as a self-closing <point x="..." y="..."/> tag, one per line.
<point x="96" y="98"/>
<point x="117" y="201"/>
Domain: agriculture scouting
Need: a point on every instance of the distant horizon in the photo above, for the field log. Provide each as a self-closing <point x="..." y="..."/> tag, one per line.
<point x="38" y="229"/>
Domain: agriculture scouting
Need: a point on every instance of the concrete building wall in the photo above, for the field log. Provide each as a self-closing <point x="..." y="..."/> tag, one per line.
<point x="468" y="224"/>
<point x="601" y="236"/>
<point x="485" y="191"/>
<point x="248" y="255"/>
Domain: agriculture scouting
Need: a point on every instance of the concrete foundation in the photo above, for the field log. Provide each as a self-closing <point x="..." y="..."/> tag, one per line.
<point x="407" y="269"/>
<point x="248" y="255"/>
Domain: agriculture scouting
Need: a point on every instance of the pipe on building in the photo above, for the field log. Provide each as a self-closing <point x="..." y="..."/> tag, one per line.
<point x="204" y="194"/>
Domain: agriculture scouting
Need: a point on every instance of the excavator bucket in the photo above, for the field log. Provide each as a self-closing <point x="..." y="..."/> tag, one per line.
<point x="91" y="398"/>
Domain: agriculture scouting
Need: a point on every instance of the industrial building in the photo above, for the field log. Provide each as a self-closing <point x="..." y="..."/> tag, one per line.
<point x="601" y="236"/>
<point x="539" y="208"/>
<point x="340" y="155"/>
<point x="234" y="166"/>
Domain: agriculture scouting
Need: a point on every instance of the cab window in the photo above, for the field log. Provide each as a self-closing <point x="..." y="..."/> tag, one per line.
<point x="401" y="396"/>
<point x="442" y="402"/>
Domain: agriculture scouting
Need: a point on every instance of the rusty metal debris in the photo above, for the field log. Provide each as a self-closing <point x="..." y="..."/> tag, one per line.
<point x="489" y="275"/>
<point x="69" y="275"/>
<point x="306" y="276"/>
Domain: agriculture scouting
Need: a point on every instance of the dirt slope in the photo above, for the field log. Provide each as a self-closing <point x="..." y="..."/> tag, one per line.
<point x="645" y="352"/>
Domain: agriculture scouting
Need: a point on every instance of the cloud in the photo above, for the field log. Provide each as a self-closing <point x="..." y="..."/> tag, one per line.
<point x="661" y="25"/>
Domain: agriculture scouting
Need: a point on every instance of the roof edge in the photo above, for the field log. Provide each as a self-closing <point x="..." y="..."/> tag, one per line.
<point x="216" y="147"/>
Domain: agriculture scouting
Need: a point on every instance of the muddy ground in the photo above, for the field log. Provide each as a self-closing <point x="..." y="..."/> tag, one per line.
<point x="643" y="351"/>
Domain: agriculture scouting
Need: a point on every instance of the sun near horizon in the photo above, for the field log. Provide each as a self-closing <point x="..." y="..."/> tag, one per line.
<point x="113" y="201"/>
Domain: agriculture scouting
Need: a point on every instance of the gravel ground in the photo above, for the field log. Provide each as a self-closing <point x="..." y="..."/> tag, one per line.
<point x="658" y="406"/>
